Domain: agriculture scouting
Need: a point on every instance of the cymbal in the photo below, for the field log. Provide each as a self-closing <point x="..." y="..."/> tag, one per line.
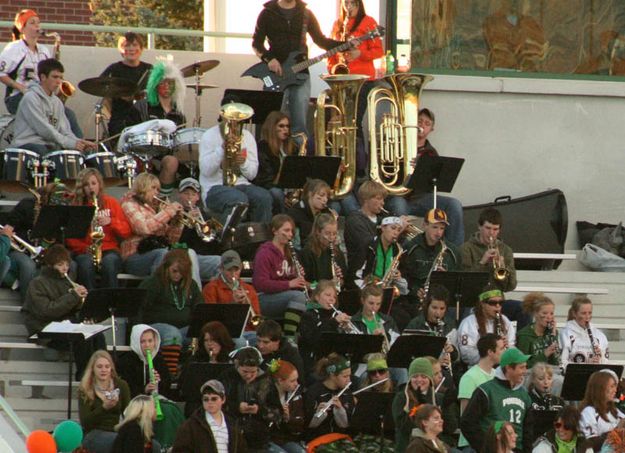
<point x="202" y="67"/>
<point x="201" y="86"/>
<point x="111" y="87"/>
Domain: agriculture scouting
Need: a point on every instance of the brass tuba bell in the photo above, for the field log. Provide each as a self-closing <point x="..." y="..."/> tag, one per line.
<point x="233" y="115"/>
<point x="337" y="136"/>
<point x="393" y="140"/>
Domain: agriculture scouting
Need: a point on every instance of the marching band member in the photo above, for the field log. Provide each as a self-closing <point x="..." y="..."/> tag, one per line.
<point x="369" y="320"/>
<point x="377" y="370"/>
<point x="540" y="339"/>
<point x="278" y="277"/>
<point x="541" y="389"/>
<point x="165" y="101"/>
<point x="334" y="373"/>
<point x="599" y="413"/>
<point x="40" y="123"/>
<point x="273" y="346"/>
<point x="144" y="250"/>
<point x="228" y="288"/>
<point x="19" y="60"/>
<point x="171" y="295"/>
<point x="322" y="258"/>
<point x="580" y="341"/>
<point x="274" y="145"/>
<point x="217" y="196"/>
<point x="314" y="201"/>
<point x="487" y="318"/>
<point x="111" y="219"/>
<point x="130" y="68"/>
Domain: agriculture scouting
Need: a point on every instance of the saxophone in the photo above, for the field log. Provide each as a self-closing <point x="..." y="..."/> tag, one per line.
<point x="387" y="279"/>
<point x="233" y="115"/>
<point x="97" y="236"/>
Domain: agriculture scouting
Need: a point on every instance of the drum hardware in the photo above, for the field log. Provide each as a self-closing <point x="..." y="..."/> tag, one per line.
<point x="196" y="70"/>
<point x="67" y="163"/>
<point x="186" y="146"/>
<point x="7" y="123"/>
<point x="153" y="143"/>
<point x="40" y="178"/>
<point x="127" y="165"/>
<point x="18" y="165"/>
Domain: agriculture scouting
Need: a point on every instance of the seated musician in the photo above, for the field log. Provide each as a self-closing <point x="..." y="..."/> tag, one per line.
<point x="377" y="370"/>
<point x="382" y="257"/>
<point x="273" y="146"/>
<point x="315" y="197"/>
<point x="539" y="339"/>
<point x="165" y="100"/>
<point x="419" y="205"/>
<point x="40" y="123"/>
<point x="228" y="288"/>
<point x="369" y="320"/>
<point x="144" y="250"/>
<point x="133" y="366"/>
<point x="425" y="254"/>
<point x="334" y="372"/>
<point x="541" y="389"/>
<point x="203" y="254"/>
<point x="580" y="341"/>
<point x="487" y="318"/>
<point x="51" y="296"/>
<point x="322" y="258"/>
<point x="320" y="318"/>
<point x="219" y="197"/>
<point x="486" y="252"/>
<point x="130" y="68"/>
<point x="113" y="223"/>
<point x="273" y="346"/>
<point x="171" y="295"/>
<point x="278" y="277"/>
<point x="361" y="227"/>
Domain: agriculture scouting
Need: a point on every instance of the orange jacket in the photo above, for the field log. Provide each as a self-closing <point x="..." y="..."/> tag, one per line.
<point x="369" y="50"/>
<point x="217" y="292"/>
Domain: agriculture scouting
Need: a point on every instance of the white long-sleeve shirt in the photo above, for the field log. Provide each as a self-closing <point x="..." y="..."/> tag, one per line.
<point x="468" y="335"/>
<point x="212" y="154"/>
<point x="575" y="344"/>
<point x="591" y="424"/>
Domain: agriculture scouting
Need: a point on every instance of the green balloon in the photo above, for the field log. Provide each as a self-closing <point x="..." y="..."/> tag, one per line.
<point x="68" y="436"/>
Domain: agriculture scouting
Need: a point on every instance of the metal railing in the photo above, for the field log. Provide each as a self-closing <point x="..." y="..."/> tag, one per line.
<point x="19" y="424"/>
<point x="151" y="32"/>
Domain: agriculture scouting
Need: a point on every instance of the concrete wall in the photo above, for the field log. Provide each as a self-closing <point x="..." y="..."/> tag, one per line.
<point x="519" y="136"/>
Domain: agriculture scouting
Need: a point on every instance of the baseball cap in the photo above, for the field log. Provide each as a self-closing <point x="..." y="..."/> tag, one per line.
<point x="230" y="259"/>
<point x="391" y="221"/>
<point x="436" y="216"/>
<point x="214" y="385"/>
<point x="189" y="182"/>
<point x="512" y="356"/>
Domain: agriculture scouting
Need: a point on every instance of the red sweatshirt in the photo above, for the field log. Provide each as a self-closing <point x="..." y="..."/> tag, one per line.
<point x="114" y="232"/>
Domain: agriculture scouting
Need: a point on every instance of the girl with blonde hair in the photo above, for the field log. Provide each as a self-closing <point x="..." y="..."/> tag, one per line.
<point x="135" y="431"/>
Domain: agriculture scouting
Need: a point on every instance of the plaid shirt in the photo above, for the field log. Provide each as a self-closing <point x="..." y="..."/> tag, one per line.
<point x="145" y="221"/>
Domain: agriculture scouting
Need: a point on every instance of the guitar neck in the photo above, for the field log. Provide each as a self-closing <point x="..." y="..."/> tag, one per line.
<point x="311" y="61"/>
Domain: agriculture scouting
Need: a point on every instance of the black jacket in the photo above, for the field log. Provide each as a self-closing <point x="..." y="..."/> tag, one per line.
<point x="303" y="218"/>
<point x="359" y="232"/>
<point x="286" y="351"/>
<point x="135" y="373"/>
<point x="268" y="166"/>
<point x="285" y="36"/>
<point x="22" y="216"/>
<point x="195" y="436"/>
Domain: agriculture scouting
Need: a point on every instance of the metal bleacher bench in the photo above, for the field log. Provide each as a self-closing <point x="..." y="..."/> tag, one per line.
<point x="27" y="345"/>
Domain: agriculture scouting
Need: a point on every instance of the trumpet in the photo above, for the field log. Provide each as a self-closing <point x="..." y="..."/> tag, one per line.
<point x="500" y="272"/>
<point x="74" y="286"/>
<point x="207" y="230"/>
<point x="323" y="407"/>
<point x="349" y="326"/>
<point x="23" y="246"/>
<point x="255" y="318"/>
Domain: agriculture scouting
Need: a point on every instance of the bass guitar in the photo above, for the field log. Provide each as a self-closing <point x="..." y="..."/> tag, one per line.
<point x="294" y="65"/>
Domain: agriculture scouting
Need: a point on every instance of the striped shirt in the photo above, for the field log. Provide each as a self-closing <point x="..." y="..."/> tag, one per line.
<point x="220" y="432"/>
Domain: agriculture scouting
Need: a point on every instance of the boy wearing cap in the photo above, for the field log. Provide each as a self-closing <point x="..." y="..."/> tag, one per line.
<point x="209" y="430"/>
<point x="423" y="251"/>
<point x="502" y="399"/>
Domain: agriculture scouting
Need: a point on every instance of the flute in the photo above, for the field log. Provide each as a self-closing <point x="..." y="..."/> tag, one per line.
<point x="323" y="407"/>
<point x="292" y="395"/>
<point x="370" y="386"/>
<point x="74" y="286"/>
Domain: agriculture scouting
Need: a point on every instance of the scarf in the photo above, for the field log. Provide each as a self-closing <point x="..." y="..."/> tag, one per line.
<point x="383" y="260"/>
<point x="566" y="447"/>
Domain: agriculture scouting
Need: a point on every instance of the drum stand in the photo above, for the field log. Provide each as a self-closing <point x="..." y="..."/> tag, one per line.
<point x="99" y="120"/>
<point x="198" y="94"/>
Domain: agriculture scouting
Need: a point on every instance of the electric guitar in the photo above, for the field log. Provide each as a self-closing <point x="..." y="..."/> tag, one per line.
<point x="294" y="65"/>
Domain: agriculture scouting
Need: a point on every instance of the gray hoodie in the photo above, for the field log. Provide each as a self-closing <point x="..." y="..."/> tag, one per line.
<point x="135" y="340"/>
<point x="41" y="120"/>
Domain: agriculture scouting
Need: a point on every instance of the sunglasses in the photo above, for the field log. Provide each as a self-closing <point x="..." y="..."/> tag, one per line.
<point x="374" y="372"/>
<point x="560" y="425"/>
<point x="211" y="399"/>
<point x="494" y="303"/>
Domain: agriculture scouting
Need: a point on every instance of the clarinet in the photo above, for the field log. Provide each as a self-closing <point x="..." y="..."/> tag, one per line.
<point x="334" y="265"/>
<point x="498" y="325"/>
<point x="550" y="332"/>
<point x="593" y="347"/>
<point x="440" y="331"/>
<point x="299" y="269"/>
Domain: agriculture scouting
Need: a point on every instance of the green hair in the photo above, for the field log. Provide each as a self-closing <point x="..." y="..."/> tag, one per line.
<point x="157" y="74"/>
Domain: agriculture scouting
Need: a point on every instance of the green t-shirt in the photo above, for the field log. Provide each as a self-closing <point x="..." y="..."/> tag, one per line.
<point x="471" y="380"/>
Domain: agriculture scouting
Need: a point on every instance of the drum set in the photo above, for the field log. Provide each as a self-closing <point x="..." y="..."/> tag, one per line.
<point x="27" y="168"/>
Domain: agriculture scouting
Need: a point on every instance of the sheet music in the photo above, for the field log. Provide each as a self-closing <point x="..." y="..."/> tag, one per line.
<point x="87" y="330"/>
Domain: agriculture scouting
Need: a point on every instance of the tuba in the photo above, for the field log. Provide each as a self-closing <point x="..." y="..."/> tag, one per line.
<point x="233" y="115"/>
<point x="393" y="142"/>
<point x="337" y="136"/>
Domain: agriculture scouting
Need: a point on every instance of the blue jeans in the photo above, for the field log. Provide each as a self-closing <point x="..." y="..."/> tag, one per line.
<point x="289" y="447"/>
<point x="421" y="204"/>
<point x="295" y="104"/>
<point x="99" y="441"/>
<point x="111" y="266"/>
<point x="221" y="199"/>
<point x="274" y="305"/>
<point x="13" y="102"/>
<point x="208" y="264"/>
<point x="26" y="270"/>
<point x="146" y="263"/>
<point x="277" y="194"/>
<point x="172" y="334"/>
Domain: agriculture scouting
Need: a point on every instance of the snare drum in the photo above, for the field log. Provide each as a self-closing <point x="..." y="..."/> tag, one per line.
<point x="6" y="130"/>
<point x="18" y="165"/>
<point x="187" y="144"/>
<point x="67" y="163"/>
<point x="151" y="143"/>
<point x="105" y="163"/>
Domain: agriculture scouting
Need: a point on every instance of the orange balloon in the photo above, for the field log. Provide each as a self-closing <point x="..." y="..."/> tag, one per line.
<point x="40" y="442"/>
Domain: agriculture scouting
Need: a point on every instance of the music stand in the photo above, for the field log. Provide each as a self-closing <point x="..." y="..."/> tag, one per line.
<point x="355" y="347"/>
<point x="576" y="377"/>
<point x="433" y="174"/>
<point x="295" y="170"/>
<point x="68" y="332"/>
<point x="373" y="415"/>
<point x="60" y="222"/>
<point x="233" y="219"/>
<point x="102" y="303"/>
<point x="349" y="301"/>
<point x="263" y="102"/>
<point x="408" y="347"/>
<point x="233" y="316"/>
<point x="464" y="287"/>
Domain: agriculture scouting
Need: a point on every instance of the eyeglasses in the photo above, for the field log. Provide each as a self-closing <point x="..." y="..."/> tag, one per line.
<point x="379" y="372"/>
<point x="210" y="399"/>
<point x="494" y="303"/>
